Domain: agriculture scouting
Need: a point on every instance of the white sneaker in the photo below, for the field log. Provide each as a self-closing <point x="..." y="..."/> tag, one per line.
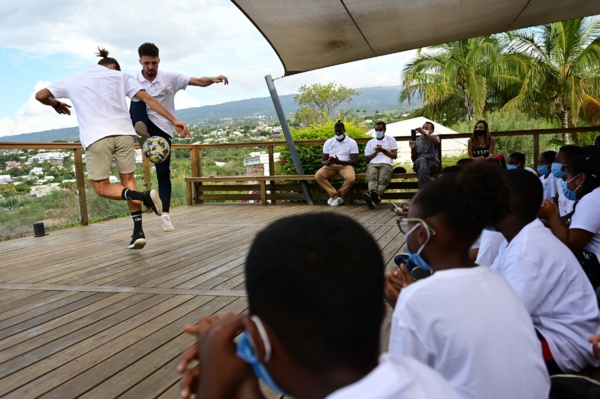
<point x="337" y="201"/>
<point x="329" y="201"/>
<point x="165" y="222"/>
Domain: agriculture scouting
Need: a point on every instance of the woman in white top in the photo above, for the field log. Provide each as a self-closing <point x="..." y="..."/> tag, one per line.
<point x="582" y="236"/>
<point x="465" y="320"/>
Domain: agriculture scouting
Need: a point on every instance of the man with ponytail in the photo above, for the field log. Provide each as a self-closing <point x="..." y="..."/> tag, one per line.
<point x="106" y="134"/>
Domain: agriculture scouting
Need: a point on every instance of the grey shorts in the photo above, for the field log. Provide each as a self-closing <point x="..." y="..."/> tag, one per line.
<point x="99" y="156"/>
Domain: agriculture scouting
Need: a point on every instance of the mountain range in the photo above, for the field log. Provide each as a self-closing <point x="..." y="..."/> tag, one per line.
<point x="369" y="100"/>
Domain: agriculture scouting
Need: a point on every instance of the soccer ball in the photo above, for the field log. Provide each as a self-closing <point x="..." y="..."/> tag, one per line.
<point x="156" y="149"/>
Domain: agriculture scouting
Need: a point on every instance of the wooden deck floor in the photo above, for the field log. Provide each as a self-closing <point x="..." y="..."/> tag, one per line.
<point x="82" y="316"/>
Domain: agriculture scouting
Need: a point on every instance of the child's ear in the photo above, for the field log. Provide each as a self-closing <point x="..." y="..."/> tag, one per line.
<point x="255" y="338"/>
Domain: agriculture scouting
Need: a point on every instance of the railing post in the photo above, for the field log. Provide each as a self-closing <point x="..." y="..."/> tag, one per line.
<point x="79" y="176"/>
<point x="146" y="168"/>
<point x="536" y="149"/>
<point x="196" y="165"/>
<point x="271" y="173"/>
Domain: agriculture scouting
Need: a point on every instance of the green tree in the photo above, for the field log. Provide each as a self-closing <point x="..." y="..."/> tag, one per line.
<point x="317" y="102"/>
<point x="461" y="79"/>
<point x="563" y="82"/>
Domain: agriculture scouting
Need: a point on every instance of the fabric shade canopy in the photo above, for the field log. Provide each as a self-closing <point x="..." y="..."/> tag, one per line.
<point x="313" y="34"/>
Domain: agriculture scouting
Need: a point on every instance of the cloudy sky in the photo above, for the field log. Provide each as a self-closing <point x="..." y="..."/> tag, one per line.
<point x="42" y="41"/>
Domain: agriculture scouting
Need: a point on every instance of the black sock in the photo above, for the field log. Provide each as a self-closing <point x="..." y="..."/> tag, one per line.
<point x="137" y="221"/>
<point x="129" y="194"/>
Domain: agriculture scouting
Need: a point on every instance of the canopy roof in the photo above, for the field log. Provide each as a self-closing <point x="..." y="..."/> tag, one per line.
<point x="313" y="34"/>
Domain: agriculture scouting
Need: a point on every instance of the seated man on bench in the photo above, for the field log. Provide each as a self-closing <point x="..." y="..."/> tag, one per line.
<point x="340" y="156"/>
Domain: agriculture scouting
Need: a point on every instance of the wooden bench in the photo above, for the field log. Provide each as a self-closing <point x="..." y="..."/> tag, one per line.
<point x="270" y="189"/>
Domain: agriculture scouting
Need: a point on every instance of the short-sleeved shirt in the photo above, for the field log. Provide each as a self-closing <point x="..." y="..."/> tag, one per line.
<point x="387" y="143"/>
<point x="549" y="185"/>
<point x="587" y="217"/>
<point x="98" y="96"/>
<point x="163" y="88"/>
<point x="565" y="205"/>
<point x="426" y="149"/>
<point x="340" y="149"/>
<point x="398" y="377"/>
<point x="555" y="291"/>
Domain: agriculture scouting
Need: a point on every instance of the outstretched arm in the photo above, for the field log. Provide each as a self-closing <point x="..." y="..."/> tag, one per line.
<point x="45" y="97"/>
<point x="158" y="107"/>
<point x="207" y="81"/>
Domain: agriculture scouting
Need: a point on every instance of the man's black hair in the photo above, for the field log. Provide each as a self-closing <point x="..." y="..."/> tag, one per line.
<point x="519" y="157"/>
<point x="148" y="49"/>
<point x="590" y="166"/>
<point x="571" y="152"/>
<point x="339" y="124"/>
<point x="526" y="194"/>
<point x="381" y="123"/>
<point x="317" y="281"/>
<point x="549" y="156"/>
<point x="471" y="198"/>
<point x="431" y="124"/>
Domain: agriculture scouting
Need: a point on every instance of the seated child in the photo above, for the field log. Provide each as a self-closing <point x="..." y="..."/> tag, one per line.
<point x="548" y="279"/>
<point x="465" y="320"/>
<point x="314" y="325"/>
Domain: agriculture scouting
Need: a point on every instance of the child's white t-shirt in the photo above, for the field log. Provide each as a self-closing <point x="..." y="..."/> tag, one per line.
<point x="398" y="377"/>
<point x="549" y="185"/>
<point x="587" y="217"/>
<point x="555" y="291"/>
<point x="469" y="325"/>
<point x="488" y="247"/>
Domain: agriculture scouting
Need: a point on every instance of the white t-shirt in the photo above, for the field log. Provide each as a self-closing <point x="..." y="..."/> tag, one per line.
<point x="341" y="149"/>
<point x="565" y="206"/>
<point x="468" y="325"/>
<point x="387" y="143"/>
<point x="398" y="377"/>
<point x="587" y="217"/>
<point x="555" y="291"/>
<point x="488" y="247"/>
<point x="163" y="88"/>
<point x="549" y="185"/>
<point x="98" y="96"/>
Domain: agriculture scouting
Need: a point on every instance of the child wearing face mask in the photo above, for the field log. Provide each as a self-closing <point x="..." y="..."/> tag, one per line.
<point x="545" y="161"/>
<point x="582" y="235"/>
<point x="564" y="156"/>
<point x="481" y="144"/>
<point x="464" y="320"/>
<point x="315" y="324"/>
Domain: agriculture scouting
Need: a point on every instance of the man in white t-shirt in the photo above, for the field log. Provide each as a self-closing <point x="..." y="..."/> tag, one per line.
<point x="340" y="156"/>
<point x="162" y="86"/>
<point x="380" y="153"/>
<point x="98" y="95"/>
<point x="548" y="279"/>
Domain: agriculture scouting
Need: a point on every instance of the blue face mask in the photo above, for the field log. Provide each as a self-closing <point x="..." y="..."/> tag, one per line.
<point x="512" y="167"/>
<point x="379" y="134"/>
<point x="571" y="195"/>
<point x="416" y="258"/>
<point x="557" y="171"/>
<point x="340" y="137"/>
<point x="543" y="170"/>
<point x="247" y="352"/>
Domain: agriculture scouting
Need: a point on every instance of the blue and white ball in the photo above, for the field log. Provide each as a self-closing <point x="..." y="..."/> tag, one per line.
<point x="156" y="149"/>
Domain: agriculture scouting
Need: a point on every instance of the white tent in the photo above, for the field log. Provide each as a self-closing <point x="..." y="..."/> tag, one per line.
<point x="450" y="147"/>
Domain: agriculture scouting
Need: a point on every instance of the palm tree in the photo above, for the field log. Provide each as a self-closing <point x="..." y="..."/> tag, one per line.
<point x="461" y="79"/>
<point x="563" y="82"/>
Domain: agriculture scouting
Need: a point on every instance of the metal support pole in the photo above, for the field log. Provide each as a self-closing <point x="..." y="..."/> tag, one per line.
<point x="288" y="137"/>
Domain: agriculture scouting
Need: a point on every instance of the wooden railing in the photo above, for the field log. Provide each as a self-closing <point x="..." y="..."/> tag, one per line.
<point x="196" y="153"/>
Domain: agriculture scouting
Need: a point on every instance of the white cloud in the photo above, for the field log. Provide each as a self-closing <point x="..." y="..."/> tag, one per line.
<point x="197" y="38"/>
<point x="35" y="117"/>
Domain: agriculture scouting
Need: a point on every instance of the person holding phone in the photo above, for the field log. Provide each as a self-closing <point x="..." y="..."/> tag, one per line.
<point x="424" y="153"/>
<point x="380" y="153"/>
